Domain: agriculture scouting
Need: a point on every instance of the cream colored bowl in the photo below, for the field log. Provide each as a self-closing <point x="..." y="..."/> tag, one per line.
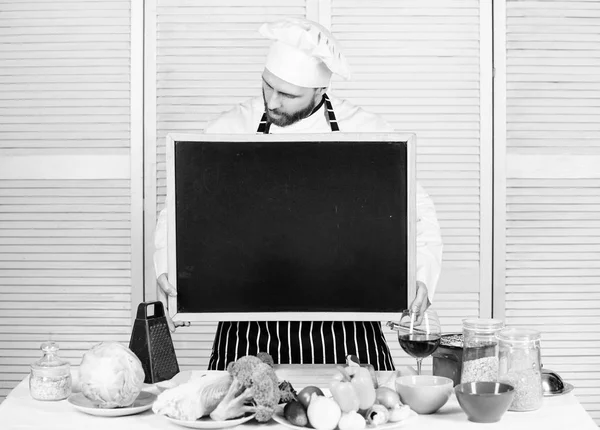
<point x="425" y="394"/>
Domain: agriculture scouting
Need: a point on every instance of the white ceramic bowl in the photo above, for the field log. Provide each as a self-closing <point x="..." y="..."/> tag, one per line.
<point x="425" y="394"/>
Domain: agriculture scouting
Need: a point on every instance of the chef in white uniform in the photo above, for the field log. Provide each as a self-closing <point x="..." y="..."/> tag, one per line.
<point x="298" y="70"/>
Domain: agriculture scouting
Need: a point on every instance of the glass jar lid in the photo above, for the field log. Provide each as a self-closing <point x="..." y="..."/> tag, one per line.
<point x="519" y="335"/>
<point x="486" y="325"/>
<point x="50" y="360"/>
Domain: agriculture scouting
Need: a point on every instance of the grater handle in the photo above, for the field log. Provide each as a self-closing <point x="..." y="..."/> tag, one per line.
<point x="142" y="312"/>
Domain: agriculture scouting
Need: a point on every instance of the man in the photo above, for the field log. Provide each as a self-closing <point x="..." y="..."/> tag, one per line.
<point x="298" y="70"/>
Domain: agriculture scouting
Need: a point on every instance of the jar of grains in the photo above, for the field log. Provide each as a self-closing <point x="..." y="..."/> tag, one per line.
<point x="50" y="377"/>
<point x="480" y="350"/>
<point x="520" y="366"/>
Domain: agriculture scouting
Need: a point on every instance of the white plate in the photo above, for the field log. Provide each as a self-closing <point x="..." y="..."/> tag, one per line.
<point x="208" y="423"/>
<point x="142" y="403"/>
<point x="278" y="417"/>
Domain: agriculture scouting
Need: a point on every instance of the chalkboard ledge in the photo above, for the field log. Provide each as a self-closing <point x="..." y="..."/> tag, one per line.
<point x="287" y="316"/>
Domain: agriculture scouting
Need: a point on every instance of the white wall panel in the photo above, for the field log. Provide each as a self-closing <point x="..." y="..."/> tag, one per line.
<point x="550" y="221"/>
<point x="70" y="236"/>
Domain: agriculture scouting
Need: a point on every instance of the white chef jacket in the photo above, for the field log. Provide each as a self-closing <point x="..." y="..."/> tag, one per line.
<point x="243" y="119"/>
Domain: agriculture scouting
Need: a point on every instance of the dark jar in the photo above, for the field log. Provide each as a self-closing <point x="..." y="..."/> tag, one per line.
<point x="447" y="358"/>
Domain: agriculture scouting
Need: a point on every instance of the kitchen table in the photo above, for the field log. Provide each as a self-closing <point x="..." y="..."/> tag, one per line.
<point x="20" y="412"/>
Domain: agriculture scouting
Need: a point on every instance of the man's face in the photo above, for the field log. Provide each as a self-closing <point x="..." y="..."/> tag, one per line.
<point x="286" y="103"/>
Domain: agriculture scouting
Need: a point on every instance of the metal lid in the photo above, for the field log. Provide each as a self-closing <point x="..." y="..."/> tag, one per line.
<point x="553" y="384"/>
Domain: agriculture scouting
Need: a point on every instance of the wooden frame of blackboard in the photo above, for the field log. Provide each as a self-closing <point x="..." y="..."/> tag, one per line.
<point x="406" y="138"/>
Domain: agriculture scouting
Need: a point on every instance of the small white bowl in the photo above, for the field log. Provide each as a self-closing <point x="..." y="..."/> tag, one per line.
<point x="425" y="394"/>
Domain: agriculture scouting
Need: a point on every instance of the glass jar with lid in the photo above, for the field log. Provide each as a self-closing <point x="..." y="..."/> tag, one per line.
<point x="50" y="377"/>
<point x="480" y="349"/>
<point x="520" y="366"/>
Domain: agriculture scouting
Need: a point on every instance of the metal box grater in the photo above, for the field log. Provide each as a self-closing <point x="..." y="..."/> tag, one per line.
<point x="151" y="342"/>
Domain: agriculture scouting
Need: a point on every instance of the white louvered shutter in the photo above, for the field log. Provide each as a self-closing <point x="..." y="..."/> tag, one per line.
<point x="417" y="63"/>
<point x="553" y="185"/>
<point x="65" y="189"/>
<point x="209" y="57"/>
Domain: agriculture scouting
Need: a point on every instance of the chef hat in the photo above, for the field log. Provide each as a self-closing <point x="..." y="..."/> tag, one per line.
<point x="303" y="53"/>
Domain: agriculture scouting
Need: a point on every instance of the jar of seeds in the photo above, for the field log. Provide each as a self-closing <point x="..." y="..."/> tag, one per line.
<point x="480" y="350"/>
<point x="520" y="366"/>
<point x="50" y="377"/>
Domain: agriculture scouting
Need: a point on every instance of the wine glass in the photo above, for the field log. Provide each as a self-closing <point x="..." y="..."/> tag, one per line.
<point x="419" y="334"/>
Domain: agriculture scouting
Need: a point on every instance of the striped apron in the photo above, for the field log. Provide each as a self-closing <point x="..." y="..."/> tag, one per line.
<point x="302" y="342"/>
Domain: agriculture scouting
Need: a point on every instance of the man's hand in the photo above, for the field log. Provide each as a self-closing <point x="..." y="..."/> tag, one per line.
<point x="165" y="285"/>
<point x="421" y="301"/>
<point x="166" y="289"/>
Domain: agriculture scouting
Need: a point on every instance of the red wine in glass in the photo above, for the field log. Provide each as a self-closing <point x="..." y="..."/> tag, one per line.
<point x="419" y="345"/>
<point x="419" y="334"/>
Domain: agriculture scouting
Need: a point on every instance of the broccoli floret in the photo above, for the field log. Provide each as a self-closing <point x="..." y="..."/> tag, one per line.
<point x="243" y="368"/>
<point x="255" y="389"/>
<point x="266" y="357"/>
<point x="265" y="392"/>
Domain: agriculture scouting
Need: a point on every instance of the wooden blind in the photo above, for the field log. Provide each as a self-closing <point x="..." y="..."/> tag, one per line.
<point x="65" y="190"/>
<point x="553" y="185"/>
<point x="417" y="63"/>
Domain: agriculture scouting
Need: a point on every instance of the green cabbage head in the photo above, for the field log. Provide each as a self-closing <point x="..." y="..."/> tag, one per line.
<point x="111" y="375"/>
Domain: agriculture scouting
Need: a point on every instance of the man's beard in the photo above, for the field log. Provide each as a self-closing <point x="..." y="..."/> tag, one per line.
<point x="284" y="119"/>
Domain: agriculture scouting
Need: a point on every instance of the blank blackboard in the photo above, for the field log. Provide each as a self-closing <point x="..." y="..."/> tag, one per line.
<point x="266" y="225"/>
